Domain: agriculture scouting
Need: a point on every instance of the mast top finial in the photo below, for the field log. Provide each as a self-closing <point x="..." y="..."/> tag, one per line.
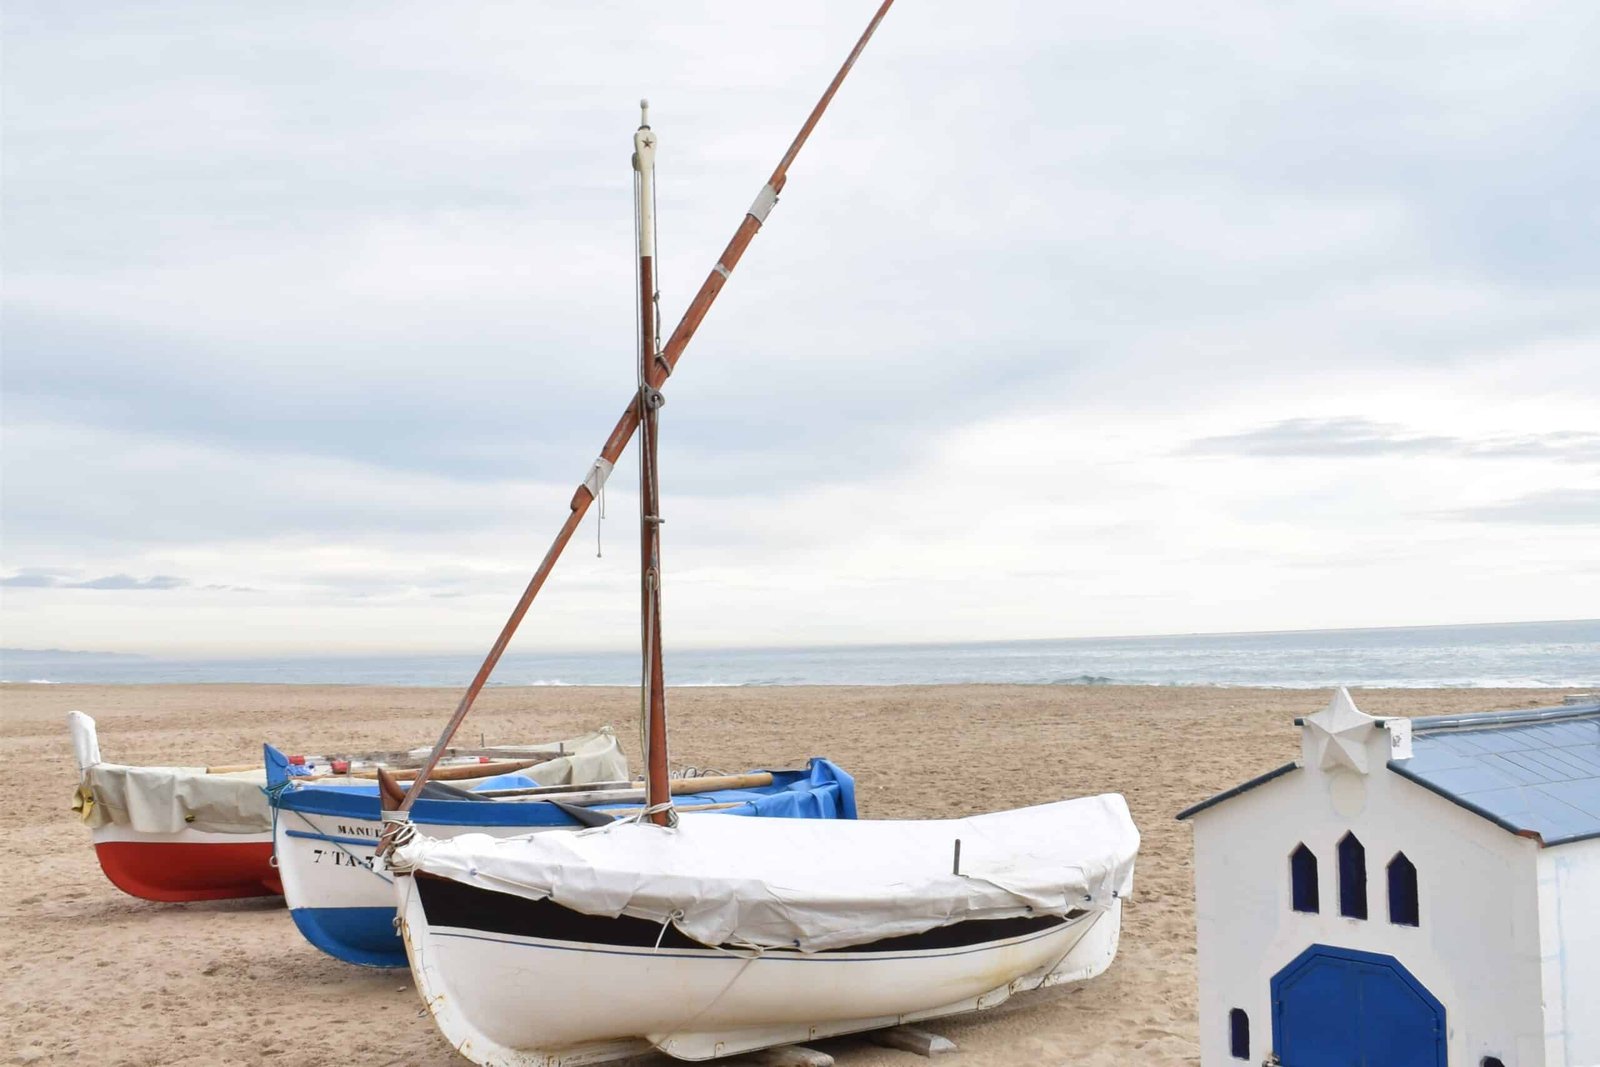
<point x="644" y="114"/>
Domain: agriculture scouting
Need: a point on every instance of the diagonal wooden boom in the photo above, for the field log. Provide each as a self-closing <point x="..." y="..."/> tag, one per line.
<point x="629" y="422"/>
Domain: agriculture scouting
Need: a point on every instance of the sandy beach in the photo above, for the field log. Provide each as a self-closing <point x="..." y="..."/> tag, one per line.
<point x="92" y="976"/>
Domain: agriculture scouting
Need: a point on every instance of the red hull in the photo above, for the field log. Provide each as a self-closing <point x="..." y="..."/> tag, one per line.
<point x="176" y="871"/>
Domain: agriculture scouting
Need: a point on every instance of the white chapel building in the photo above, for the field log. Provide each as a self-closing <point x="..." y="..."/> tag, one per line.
<point x="1409" y="893"/>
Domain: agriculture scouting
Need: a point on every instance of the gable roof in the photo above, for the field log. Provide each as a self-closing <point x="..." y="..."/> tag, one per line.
<point x="1536" y="773"/>
<point x="1242" y="787"/>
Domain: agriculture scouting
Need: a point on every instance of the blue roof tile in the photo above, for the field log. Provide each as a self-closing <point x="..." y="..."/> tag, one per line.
<point x="1581" y="795"/>
<point x="1531" y="776"/>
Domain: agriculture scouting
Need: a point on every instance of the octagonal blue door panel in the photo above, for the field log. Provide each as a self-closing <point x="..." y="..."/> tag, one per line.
<point x="1336" y="1007"/>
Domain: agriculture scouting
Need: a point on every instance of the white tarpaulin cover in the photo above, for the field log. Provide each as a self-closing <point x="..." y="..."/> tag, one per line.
<point x="168" y="799"/>
<point x="164" y="800"/>
<point x="594" y="757"/>
<point x="810" y="883"/>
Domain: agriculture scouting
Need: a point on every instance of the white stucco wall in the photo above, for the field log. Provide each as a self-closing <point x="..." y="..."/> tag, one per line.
<point x="1569" y="892"/>
<point x="1477" y="949"/>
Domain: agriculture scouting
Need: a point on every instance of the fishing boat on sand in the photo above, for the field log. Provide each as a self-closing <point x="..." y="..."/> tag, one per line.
<point x="702" y="936"/>
<point x="325" y="836"/>
<point x="205" y="833"/>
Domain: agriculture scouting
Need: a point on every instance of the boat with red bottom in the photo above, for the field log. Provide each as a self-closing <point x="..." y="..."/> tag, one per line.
<point x="180" y="834"/>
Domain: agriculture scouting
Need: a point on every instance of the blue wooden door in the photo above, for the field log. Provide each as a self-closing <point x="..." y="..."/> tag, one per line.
<point x="1336" y="1007"/>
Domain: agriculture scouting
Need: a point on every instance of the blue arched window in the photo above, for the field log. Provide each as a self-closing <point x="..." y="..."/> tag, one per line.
<point x="1352" y="878"/>
<point x="1239" y="1034"/>
<point x="1303" y="880"/>
<point x="1403" y="906"/>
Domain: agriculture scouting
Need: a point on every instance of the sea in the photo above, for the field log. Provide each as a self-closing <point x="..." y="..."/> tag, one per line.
<point x="1531" y="655"/>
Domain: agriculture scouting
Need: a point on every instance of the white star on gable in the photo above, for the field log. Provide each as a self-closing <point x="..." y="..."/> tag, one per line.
<point x="1337" y="735"/>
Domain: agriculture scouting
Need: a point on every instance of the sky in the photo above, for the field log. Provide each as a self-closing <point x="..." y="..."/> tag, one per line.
<point x="1074" y="320"/>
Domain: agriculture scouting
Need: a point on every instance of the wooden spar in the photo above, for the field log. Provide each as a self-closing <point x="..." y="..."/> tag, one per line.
<point x="625" y="812"/>
<point x="399" y="761"/>
<point x="653" y="688"/>
<point x="615" y="792"/>
<point x="453" y="773"/>
<point x="589" y="489"/>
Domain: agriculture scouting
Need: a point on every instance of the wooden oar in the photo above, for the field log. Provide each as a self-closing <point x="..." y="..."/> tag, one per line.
<point x="625" y="812"/>
<point x="596" y="817"/>
<point x="409" y="758"/>
<point x="680" y="787"/>
<point x="406" y="765"/>
<point x="455" y="772"/>
<point x="559" y="790"/>
<point x="451" y="773"/>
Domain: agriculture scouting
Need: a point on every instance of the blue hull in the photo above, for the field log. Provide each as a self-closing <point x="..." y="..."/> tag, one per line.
<point x="356" y="935"/>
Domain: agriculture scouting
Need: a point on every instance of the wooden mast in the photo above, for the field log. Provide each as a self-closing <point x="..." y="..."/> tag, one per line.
<point x="652" y="688"/>
<point x="589" y="489"/>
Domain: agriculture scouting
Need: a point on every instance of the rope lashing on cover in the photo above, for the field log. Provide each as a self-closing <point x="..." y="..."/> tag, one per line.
<point x="697" y="1016"/>
<point x="643" y="814"/>
<point x="398" y="832"/>
<point x="665" y="923"/>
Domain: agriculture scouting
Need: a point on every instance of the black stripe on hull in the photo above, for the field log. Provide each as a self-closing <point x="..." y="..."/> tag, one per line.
<point x="455" y="904"/>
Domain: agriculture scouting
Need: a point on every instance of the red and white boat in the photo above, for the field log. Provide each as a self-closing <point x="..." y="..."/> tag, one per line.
<point x="205" y="833"/>
<point x="174" y="833"/>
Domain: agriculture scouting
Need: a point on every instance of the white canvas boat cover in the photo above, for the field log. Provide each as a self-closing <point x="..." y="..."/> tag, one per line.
<point x="168" y="799"/>
<point x="164" y="800"/>
<point x="811" y="884"/>
<point x="594" y="757"/>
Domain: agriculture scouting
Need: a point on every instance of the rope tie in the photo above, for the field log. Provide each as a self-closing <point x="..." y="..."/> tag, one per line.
<point x="274" y="793"/>
<point x="396" y="834"/>
<point x="655" y="809"/>
<point x="668" y="921"/>
<point x="691" y="1020"/>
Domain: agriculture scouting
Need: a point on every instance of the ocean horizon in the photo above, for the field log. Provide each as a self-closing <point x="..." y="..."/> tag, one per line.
<point x="1530" y="655"/>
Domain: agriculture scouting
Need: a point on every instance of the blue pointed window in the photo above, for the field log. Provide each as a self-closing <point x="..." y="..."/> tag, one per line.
<point x="1403" y="905"/>
<point x="1303" y="880"/>
<point x="1352" y="878"/>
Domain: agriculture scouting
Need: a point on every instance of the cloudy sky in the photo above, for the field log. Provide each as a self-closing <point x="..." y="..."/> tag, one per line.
<point x="1074" y="320"/>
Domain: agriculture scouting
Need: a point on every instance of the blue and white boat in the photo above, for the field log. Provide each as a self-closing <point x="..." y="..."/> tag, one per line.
<point x="325" y="835"/>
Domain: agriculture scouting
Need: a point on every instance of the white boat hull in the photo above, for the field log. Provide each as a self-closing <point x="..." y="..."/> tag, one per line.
<point x="527" y="1001"/>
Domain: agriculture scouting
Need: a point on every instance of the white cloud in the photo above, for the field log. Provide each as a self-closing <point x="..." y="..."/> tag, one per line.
<point x="317" y="318"/>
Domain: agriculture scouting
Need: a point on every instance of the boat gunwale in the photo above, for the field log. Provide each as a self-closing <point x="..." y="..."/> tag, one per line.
<point x="664" y="939"/>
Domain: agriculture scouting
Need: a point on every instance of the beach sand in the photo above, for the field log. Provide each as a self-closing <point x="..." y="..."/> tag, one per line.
<point x="91" y="976"/>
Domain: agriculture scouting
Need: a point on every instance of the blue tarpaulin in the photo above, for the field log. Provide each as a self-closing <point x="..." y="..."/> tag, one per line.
<point x="822" y="791"/>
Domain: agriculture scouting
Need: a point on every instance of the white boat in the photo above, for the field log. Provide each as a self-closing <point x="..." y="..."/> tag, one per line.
<point x="720" y="936"/>
<point x="704" y="937"/>
<point x="325" y="837"/>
